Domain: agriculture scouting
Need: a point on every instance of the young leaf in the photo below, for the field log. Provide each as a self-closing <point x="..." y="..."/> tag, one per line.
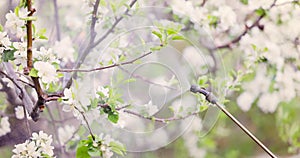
<point x="118" y="148"/>
<point x="156" y="48"/>
<point x="33" y="72"/>
<point x="244" y="2"/>
<point x="17" y="11"/>
<point x="158" y="34"/>
<point x="113" y="117"/>
<point x="29" y="18"/>
<point x="177" y="37"/>
<point x="260" y="11"/>
<point x="82" y="152"/>
<point x="8" y="55"/>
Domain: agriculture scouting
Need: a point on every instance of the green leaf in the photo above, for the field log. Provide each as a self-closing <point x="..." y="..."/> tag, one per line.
<point x="202" y="80"/>
<point x="60" y="75"/>
<point x="130" y="80"/>
<point x="178" y="37"/>
<point x="8" y="55"/>
<point x="260" y="11"/>
<point x="33" y="72"/>
<point x="156" y="48"/>
<point x="113" y="117"/>
<point x="30" y="18"/>
<point x="1" y="28"/>
<point x="118" y="148"/>
<point x="22" y="3"/>
<point x="82" y="152"/>
<point x="244" y="2"/>
<point x="17" y="11"/>
<point x="94" y="102"/>
<point x="113" y="6"/>
<point x="158" y="34"/>
<point x="203" y="107"/>
<point x="213" y="20"/>
<point x="41" y="33"/>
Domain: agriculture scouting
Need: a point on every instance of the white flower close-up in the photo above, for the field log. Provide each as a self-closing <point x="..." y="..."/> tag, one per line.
<point x="14" y="24"/>
<point x="150" y="109"/>
<point x="21" y="53"/>
<point x="64" y="49"/>
<point x="46" y="71"/>
<point x="19" y="112"/>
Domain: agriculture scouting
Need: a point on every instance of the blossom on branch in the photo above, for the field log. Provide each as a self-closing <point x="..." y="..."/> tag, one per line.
<point x="14" y="24"/>
<point x="39" y="145"/>
<point x="46" y="71"/>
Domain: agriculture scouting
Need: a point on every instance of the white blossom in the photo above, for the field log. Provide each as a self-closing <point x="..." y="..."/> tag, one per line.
<point x="21" y="53"/>
<point x="5" y="42"/>
<point x="227" y="17"/>
<point x="105" y="147"/>
<point x="14" y="24"/>
<point x="46" y="71"/>
<point x="68" y="97"/>
<point x="4" y="126"/>
<point x="19" y="112"/>
<point x="37" y="146"/>
<point x="150" y="108"/>
<point x="245" y="100"/>
<point x="75" y="102"/>
<point x="45" y="55"/>
<point x="64" y="49"/>
<point x="268" y="102"/>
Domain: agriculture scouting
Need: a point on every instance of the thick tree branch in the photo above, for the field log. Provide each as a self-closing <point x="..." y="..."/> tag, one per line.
<point x="21" y="93"/>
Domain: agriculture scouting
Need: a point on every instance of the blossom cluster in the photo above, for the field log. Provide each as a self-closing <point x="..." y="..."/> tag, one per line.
<point x="39" y="145"/>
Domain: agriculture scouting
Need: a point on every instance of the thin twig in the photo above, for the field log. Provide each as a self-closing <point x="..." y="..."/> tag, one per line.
<point x="114" y="25"/>
<point x="288" y="2"/>
<point x="29" y="84"/>
<point x="123" y="107"/>
<point x="247" y="29"/>
<point x="23" y="95"/>
<point x="92" y="42"/>
<point x="162" y="120"/>
<point x="87" y="123"/>
<point x="105" y="67"/>
<point x="93" y="23"/>
<point x="13" y="81"/>
<point x="146" y="80"/>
